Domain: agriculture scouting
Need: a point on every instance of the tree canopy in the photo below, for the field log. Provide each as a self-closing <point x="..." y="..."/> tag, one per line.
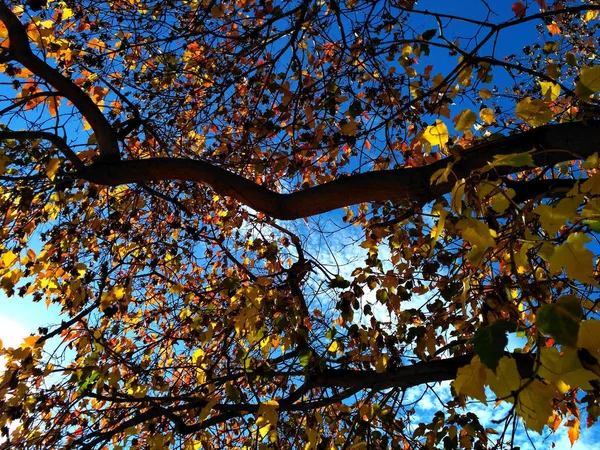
<point x="267" y="223"/>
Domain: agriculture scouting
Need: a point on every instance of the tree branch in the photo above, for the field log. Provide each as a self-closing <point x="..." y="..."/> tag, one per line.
<point x="550" y="144"/>
<point x="409" y="376"/>
<point x="20" y="51"/>
<point x="56" y="140"/>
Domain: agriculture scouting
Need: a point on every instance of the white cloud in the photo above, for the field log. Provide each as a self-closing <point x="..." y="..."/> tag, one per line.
<point x="12" y="332"/>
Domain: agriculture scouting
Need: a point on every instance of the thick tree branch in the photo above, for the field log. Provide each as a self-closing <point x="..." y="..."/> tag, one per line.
<point x="409" y="376"/>
<point x="550" y="144"/>
<point x="20" y="51"/>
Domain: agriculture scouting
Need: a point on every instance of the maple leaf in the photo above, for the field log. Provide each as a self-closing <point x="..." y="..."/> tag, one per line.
<point x="470" y="380"/>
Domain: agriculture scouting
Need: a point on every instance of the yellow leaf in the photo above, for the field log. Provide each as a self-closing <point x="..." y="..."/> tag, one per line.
<point x="118" y="292"/>
<point x="553" y="218"/>
<point x="470" y="380"/>
<point x="9" y="258"/>
<point x="268" y="415"/>
<point x="589" y="337"/>
<point x="535" y="404"/>
<point x="441" y="175"/>
<point x="575" y="258"/>
<point x="381" y="364"/>
<point x="52" y="168"/>
<point x="439" y="227"/>
<point x="206" y="410"/>
<point x="333" y="347"/>
<point x="458" y="191"/>
<point x="487" y="115"/>
<point x="589" y="79"/>
<point x="550" y="90"/>
<point x="533" y="112"/>
<point x="465" y="120"/>
<point x="67" y="13"/>
<point x="564" y="367"/>
<point x="477" y="233"/>
<point x="437" y="134"/>
<point x="506" y="380"/>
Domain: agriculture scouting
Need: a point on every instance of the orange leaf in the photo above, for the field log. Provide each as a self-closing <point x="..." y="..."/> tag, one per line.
<point x="53" y="103"/>
<point x="574" y="432"/>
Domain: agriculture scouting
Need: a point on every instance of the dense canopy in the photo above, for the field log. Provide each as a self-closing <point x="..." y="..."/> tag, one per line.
<point x="288" y="224"/>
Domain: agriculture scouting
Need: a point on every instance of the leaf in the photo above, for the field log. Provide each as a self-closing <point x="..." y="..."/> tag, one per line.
<point x="553" y="218"/>
<point x="9" y="258"/>
<point x="514" y="160"/>
<point x="470" y="380"/>
<point x="550" y="90"/>
<point x="268" y="415"/>
<point x="30" y="342"/>
<point x="506" y="380"/>
<point x="52" y="168"/>
<point x="305" y="357"/>
<point x="589" y="337"/>
<point x="381" y="363"/>
<point x="589" y="77"/>
<point x="519" y="9"/>
<point x="436" y="134"/>
<point x="477" y="233"/>
<point x="571" y="59"/>
<point x="485" y="94"/>
<point x="217" y="11"/>
<point x="349" y="128"/>
<point x="575" y="258"/>
<point x="564" y="368"/>
<point x="429" y="34"/>
<point x="535" y="404"/>
<point x="561" y="320"/>
<point x="441" y="175"/>
<point x="439" y="228"/>
<point x="487" y="115"/>
<point x="533" y="112"/>
<point x="465" y="120"/>
<point x="574" y="431"/>
<point x="490" y="341"/>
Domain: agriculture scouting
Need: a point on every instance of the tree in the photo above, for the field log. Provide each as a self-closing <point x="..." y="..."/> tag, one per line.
<point x="266" y="222"/>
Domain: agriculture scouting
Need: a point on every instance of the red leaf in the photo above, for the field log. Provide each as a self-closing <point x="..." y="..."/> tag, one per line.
<point x="519" y="9"/>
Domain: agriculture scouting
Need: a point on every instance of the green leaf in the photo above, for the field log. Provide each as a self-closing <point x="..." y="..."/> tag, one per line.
<point x="339" y="282"/>
<point x="514" y="160"/>
<point x="305" y="357"/>
<point x="490" y="341"/>
<point x="570" y="59"/>
<point x="356" y="108"/>
<point x="561" y="320"/>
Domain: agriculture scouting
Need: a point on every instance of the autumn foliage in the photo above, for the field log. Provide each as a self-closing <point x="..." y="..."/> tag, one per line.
<point x="268" y="224"/>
